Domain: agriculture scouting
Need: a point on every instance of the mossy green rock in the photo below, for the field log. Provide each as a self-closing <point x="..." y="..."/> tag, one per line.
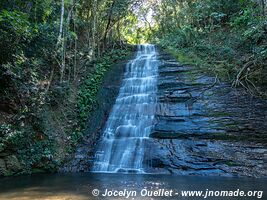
<point x="13" y="164"/>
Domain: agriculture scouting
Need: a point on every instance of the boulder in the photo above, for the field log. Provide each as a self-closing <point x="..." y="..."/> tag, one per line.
<point x="13" y="164"/>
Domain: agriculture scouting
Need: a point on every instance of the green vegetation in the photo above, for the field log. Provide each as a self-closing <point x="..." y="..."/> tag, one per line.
<point x="225" y="38"/>
<point x="88" y="92"/>
<point x="39" y="152"/>
<point x="53" y="57"/>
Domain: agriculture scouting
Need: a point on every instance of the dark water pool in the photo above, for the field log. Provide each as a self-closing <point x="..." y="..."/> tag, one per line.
<point x="138" y="186"/>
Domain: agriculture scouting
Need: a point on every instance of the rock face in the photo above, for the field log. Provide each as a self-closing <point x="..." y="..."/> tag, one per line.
<point x="205" y="127"/>
<point x="9" y="165"/>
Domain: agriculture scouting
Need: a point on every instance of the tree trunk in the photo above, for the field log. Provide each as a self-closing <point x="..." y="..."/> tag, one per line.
<point x="263" y="7"/>
<point x="108" y="24"/>
<point x="94" y="29"/>
<point x="61" y="21"/>
<point x="119" y="33"/>
<point x="75" y="43"/>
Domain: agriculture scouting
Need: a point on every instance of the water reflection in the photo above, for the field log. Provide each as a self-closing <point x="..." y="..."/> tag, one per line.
<point x="80" y="186"/>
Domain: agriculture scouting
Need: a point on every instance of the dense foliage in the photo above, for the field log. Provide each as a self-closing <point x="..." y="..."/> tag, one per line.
<point x="48" y="48"/>
<point x="225" y="38"/>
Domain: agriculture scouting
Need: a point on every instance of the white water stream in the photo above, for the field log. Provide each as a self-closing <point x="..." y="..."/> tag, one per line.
<point x="130" y="122"/>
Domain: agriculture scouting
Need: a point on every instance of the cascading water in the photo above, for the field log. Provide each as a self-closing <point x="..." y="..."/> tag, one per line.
<point x="130" y="122"/>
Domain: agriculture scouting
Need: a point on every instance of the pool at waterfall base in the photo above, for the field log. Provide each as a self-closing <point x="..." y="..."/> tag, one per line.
<point x="90" y="186"/>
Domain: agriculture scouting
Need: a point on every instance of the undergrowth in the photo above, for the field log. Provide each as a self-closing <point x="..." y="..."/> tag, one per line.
<point x="87" y="94"/>
<point x="41" y="142"/>
<point x="230" y="44"/>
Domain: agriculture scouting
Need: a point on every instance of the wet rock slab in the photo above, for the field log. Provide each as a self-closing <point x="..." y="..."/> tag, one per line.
<point x="205" y="157"/>
<point x="205" y="127"/>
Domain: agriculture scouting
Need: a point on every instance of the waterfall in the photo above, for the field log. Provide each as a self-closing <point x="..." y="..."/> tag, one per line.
<point x="129" y="124"/>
